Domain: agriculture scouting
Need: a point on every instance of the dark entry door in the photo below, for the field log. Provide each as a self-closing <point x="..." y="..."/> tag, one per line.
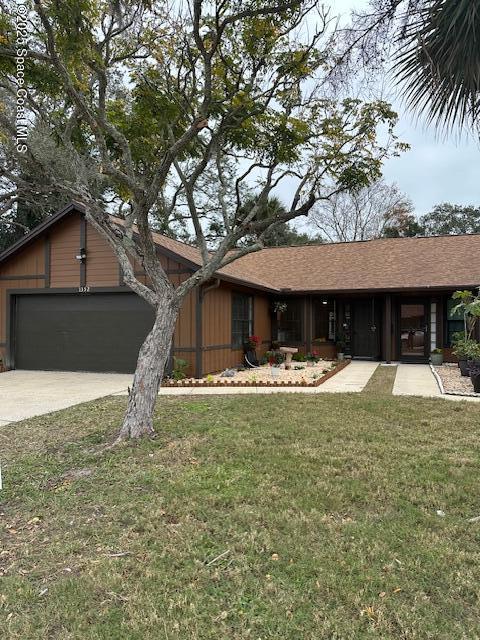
<point x="414" y="331"/>
<point x="366" y="329"/>
<point x="71" y="332"/>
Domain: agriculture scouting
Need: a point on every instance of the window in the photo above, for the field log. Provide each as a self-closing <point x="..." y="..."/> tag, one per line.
<point x="290" y="322"/>
<point x="323" y="319"/>
<point x="242" y="318"/>
<point x="454" y="323"/>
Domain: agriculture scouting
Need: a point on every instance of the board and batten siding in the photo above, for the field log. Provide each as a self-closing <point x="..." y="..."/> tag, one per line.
<point x="50" y="261"/>
<point x="218" y="353"/>
<point x="23" y="271"/>
<point x="64" y="247"/>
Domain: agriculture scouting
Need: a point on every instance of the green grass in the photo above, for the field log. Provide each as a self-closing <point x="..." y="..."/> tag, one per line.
<point x="324" y="508"/>
<point x="382" y="380"/>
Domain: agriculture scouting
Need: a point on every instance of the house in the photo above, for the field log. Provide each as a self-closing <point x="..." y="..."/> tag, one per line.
<point x="63" y="304"/>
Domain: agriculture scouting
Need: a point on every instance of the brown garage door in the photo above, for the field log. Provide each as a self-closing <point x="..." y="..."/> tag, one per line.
<point x="68" y="332"/>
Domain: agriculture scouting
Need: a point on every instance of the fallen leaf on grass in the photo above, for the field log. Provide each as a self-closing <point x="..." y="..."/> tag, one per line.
<point x="369" y="612"/>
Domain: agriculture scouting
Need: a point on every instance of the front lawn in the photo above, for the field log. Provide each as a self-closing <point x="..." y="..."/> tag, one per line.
<point x="250" y="517"/>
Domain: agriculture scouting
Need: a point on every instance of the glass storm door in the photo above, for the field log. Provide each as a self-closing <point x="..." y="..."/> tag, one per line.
<point x="413" y="331"/>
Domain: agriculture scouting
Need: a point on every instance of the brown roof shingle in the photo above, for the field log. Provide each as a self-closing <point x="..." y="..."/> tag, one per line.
<point x="383" y="264"/>
<point x="387" y="263"/>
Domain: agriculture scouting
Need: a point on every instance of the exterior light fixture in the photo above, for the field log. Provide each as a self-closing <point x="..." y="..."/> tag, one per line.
<point x="324" y="301"/>
<point x="82" y="256"/>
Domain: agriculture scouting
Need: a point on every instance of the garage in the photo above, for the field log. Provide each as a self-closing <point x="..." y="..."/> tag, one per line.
<point x="99" y="332"/>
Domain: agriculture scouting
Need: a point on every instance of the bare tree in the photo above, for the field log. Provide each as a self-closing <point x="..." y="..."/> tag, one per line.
<point x="137" y="101"/>
<point x="361" y="214"/>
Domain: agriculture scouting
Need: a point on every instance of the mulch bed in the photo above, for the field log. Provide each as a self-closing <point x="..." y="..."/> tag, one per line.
<point x="453" y="382"/>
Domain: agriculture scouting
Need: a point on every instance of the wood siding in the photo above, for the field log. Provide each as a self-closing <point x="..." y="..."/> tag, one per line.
<point x="51" y="261"/>
<point x="101" y="266"/>
<point x="218" y="353"/>
<point x="64" y="247"/>
<point x="14" y="275"/>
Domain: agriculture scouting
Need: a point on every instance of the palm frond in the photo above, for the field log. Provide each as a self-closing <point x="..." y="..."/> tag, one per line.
<point x="439" y="60"/>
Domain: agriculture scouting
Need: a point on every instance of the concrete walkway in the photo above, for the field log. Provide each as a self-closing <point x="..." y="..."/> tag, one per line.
<point x="418" y="380"/>
<point x="351" y="379"/>
<point x="415" y="380"/>
<point x="25" y="394"/>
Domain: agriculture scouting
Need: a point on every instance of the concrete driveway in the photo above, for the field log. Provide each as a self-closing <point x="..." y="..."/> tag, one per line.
<point x="24" y="394"/>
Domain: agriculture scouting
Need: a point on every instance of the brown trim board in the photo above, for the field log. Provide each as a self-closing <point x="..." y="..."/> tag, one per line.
<point x="83" y="248"/>
<point x="47" y="258"/>
<point x="198" y="333"/>
<point x="35" y="276"/>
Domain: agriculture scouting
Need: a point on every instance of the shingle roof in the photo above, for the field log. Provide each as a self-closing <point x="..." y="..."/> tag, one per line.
<point x="387" y="263"/>
<point x="383" y="264"/>
<point x="448" y="262"/>
<point x="237" y="271"/>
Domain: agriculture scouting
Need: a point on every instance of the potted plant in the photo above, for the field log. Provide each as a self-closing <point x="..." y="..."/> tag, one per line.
<point x="279" y="306"/>
<point x="341" y="344"/>
<point x="275" y="360"/>
<point x="473" y="356"/>
<point x="460" y="350"/>
<point x="475" y="376"/>
<point x="270" y="357"/>
<point x="436" y="357"/>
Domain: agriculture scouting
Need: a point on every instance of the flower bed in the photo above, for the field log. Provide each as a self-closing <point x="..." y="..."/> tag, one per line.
<point x="262" y="377"/>
<point x="453" y="382"/>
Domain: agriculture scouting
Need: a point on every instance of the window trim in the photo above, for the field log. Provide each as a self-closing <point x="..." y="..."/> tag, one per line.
<point x="303" y="316"/>
<point x="251" y="323"/>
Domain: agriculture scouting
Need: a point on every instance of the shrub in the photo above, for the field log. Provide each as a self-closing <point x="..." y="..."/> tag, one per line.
<point x="179" y="367"/>
<point x="299" y="357"/>
<point x="465" y="347"/>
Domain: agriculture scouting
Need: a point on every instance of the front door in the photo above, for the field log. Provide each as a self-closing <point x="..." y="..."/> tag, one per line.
<point x="366" y="329"/>
<point x="414" y="331"/>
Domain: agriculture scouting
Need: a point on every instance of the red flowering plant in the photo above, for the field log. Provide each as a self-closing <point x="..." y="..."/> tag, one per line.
<point x="252" y="342"/>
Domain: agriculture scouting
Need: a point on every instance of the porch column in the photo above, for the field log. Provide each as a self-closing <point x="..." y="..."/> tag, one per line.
<point x="308" y="324"/>
<point x="198" y="333"/>
<point x="388" y="328"/>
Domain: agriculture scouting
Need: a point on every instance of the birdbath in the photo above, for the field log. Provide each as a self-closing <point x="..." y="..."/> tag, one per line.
<point x="288" y="351"/>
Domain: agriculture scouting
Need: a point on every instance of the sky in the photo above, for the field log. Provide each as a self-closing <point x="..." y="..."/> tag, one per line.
<point x="437" y="168"/>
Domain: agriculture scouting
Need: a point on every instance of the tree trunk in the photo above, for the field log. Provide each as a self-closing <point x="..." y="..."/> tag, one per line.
<point x="152" y="359"/>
